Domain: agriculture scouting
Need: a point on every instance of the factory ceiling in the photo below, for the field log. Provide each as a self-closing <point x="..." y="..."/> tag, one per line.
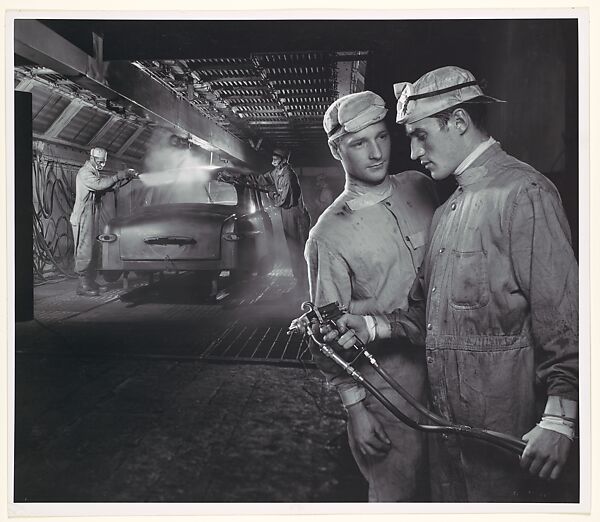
<point x="277" y="97"/>
<point x="238" y="105"/>
<point x="64" y="113"/>
<point x="235" y="87"/>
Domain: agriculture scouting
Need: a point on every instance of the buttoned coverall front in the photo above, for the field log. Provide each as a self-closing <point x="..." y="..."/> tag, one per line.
<point x="497" y="307"/>
<point x="90" y="185"/>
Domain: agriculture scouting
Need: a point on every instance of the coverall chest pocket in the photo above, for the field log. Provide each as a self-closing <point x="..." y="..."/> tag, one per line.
<point x="469" y="284"/>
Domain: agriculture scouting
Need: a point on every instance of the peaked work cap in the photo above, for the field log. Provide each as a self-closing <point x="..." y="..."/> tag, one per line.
<point x="353" y="113"/>
<point x="279" y="151"/>
<point x="436" y="91"/>
<point x="98" y="152"/>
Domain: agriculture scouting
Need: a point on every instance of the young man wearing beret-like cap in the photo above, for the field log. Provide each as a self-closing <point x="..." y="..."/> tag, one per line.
<point x="364" y="252"/>
<point x="496" y="303"/>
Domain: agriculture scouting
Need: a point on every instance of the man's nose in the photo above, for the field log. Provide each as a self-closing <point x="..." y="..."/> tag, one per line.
<point x="416" y="151"/>
<point x="374" y="150"/>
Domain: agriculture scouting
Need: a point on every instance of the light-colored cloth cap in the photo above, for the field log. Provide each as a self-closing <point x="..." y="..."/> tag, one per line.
<point x="353" y="113"/>
<point x="98" y="152"/>
<point x="436" y="91"/>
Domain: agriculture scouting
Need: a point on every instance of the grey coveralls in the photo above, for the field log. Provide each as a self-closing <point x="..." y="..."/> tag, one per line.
<point x="500" y="287"/>
<point x="367" y="259"/>
<point x="294" y="216"/>
<point x="89" y="187"/>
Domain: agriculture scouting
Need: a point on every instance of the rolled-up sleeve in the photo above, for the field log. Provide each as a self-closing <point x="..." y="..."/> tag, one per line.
<point x="547" y="273"/>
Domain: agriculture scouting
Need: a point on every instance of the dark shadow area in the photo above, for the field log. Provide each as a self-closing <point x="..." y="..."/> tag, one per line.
<point x="117" y="404"/>
<point x="187" y="289"/>
<point x="171" y="431"/>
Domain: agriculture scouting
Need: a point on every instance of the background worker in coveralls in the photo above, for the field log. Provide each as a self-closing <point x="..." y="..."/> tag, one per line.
<point x="286" y="194"/>
<point x="496" y="302"/>
<point x="364" y="252"/>
<point x="90" y="185"/>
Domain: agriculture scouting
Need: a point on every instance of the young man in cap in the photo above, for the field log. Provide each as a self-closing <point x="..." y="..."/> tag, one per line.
<point x="496" y="301"/>
<point x="285" y="192"/>
<point x="90" y="186"/>
<point x="364" y="252"/>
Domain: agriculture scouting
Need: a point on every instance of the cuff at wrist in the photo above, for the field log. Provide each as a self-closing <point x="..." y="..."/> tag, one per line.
<point x="564" y="428"/>
<point x="383" y="330"/>
<point x="352" y="395"/>
<point x="371" y="326"/>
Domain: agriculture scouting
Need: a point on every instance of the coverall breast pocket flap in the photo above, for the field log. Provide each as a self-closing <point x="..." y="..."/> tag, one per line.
<point x="469" y="284"/>
<point x="417" y="239"/>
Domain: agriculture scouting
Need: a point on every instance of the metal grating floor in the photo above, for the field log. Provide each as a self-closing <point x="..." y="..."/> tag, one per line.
<point x="68" y="305"/>
<point x="248" y="325"/>
<point x="265" y="345"/>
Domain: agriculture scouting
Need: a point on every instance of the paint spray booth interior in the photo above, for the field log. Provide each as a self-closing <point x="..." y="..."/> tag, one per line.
<point x="159" y="368"/>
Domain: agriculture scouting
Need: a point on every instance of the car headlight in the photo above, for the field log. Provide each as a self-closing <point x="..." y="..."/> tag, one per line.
<point x="107" y="238"/>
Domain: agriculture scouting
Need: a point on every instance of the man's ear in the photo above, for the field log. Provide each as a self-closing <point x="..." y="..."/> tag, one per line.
<point x="335" y="151"/>
<point x="461" y="120"/>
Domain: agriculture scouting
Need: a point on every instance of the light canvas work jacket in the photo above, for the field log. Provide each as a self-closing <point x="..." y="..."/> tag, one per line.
<point x="87" y="183"/>
<point x="364" y="252"/>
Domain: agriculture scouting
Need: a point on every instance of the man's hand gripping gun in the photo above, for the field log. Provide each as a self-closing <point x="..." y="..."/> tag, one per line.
<point x="132" y="174"/>
<point x="326" y="317"/>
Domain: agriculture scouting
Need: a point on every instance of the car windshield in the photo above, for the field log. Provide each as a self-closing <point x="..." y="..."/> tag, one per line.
<point x="188" y="191"/>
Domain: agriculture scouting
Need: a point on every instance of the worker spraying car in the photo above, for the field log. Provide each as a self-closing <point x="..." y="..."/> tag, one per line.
<point x="90" y="186"/>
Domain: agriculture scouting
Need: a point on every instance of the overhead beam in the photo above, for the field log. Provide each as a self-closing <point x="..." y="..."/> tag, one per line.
<point x="39" y="44"/>
<point x="112" y="119"/>
<point x="129" y="141"/>
<point x="64" y="118"/>
<point x="138" y="87"/>
<point x="76" y="146"/>
<point x="25" y="85"/>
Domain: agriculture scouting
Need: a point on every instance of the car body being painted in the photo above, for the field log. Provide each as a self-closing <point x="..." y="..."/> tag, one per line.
<point x="208" y="220"/>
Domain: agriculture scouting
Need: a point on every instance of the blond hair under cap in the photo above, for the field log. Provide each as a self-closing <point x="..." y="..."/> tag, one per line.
<point x="353" y="113"/>
<point x="436" y="91"/>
